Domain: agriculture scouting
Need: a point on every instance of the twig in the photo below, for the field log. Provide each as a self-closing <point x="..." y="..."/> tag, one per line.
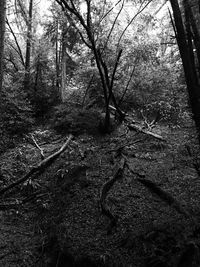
<point x="39" y="168"/>
<point x="127" y="85"/>
<point x="109" y="11"/>
<point x="38" y="147"/>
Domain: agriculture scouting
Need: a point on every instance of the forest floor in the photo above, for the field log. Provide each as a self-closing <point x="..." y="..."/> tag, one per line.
<point x="56" y="218"/>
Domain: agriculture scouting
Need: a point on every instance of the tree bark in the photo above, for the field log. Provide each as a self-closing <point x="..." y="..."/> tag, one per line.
<point x="63" y="67"/>
<point x="192" y="85"/>
<point x="28" y="48"/>
<point x="57" y="58"/>
<point x="2" y="37"/>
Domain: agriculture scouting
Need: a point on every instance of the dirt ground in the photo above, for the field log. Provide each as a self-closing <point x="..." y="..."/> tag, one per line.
<point x="55" y="219"/>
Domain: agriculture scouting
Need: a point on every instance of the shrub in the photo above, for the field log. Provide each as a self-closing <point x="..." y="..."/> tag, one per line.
<point x="72" y="119"/>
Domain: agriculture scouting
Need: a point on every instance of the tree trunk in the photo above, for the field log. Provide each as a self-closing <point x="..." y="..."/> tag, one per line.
<point x="192" y="85"/>
<point x="63" y="69"/>
<point x="57" y="59"/>
<point x="28" y="48"/>
<point x="2" y="36"/>
<point x="189" y="37"/>
<point x="195" y="25"/>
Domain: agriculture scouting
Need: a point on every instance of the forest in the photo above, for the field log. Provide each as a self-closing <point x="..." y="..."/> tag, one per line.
<point x="100" y="133"/>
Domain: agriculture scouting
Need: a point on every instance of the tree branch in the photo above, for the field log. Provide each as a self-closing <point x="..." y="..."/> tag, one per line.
<point x="109" y="11"/>
<point x="39" y="168"/>
<point x="113" y="25"/>
<point x="15" y="38"/>
<point x="127" y="85"/>
<point x="134" y="17"/>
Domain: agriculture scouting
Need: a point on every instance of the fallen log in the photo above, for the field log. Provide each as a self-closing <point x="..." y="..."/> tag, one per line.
<point x="132" y="126"/>
<point x="145" y="131"/>
<point x="118" y="169"/>
<point x="39" y="168"/>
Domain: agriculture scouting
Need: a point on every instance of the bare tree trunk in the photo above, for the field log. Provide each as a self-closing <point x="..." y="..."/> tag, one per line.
<point x="190" y="76"/>
<point x="63" y="68"/>
<point x="57" y="59"/>
<point x="189" y="36"/>
<point x="2" y="36"/>
<point x="28" y="48"/>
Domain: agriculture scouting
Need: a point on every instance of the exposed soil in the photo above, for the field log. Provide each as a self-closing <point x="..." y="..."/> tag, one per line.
<point x="55" y="219"/>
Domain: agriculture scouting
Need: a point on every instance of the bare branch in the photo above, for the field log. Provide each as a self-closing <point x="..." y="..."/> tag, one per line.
<point x="115" y="68"/>
<point x="80" y="33"/>
<point x="127" y="85"/>
<point x="113" y="25"/>
<point x="108" y="12"/>
<point x="17" y="44"/>
<point x="88" y="13"/>
<point x="13" y="47"/>
<point x="172" y="22"/>
<point x="13" y="63"/>
<point x="39" y="168"/>
<point x="38" y="147"/>
<point x="134" y="17"/>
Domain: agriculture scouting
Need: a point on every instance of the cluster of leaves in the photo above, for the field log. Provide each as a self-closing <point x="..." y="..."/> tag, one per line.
<point x="17" y="110"/>
<point x="43" y="91"/>
<point x="75" y="120"/>
<point x="16" y="115"/>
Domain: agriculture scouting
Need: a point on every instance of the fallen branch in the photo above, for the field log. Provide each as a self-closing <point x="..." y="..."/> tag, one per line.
<point x="39" y="168"/>
<point x="115" y="110"/>
<point x="118" y="169"/>
<point x="38" y="147"/>
<point x="140" y="129"/>
<point x="132" y="126"/>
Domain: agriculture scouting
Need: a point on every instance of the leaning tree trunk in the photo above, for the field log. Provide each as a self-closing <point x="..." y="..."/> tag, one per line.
<point x="190" y="75"/>
<point x="2" y="36"/>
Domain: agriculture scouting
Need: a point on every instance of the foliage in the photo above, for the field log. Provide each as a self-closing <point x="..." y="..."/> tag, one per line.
<point x="16" y="110"/>
<point x="75" y="120"/>
<point x="16" y="115"/>
<point x="43" y="92"/>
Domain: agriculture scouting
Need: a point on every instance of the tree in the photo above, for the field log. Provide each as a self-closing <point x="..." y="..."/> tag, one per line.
<point x="2" y="37"/>
<point x="89" y="36"/>
<point x="96" y="23"/>
<point x="28" y="47"/>
<point x="185" y="44"/>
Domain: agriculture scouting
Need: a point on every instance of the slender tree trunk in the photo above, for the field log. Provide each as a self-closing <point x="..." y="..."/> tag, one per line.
<point x="28" y="48"/>
<point x="63" y="69"/>
<point x="2" y="36"/>
<point x="57" y="58"/>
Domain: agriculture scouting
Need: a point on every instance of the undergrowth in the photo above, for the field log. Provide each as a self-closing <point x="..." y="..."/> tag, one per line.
<point x="75" y="120"/>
